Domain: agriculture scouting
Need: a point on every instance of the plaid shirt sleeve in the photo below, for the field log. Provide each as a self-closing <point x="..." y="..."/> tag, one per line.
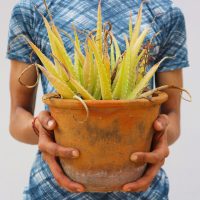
<point x="173" y="41"/>
<point x="21" y="23"/>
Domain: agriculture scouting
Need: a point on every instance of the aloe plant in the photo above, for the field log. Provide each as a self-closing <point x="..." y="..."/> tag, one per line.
<point x="95" y="73"/>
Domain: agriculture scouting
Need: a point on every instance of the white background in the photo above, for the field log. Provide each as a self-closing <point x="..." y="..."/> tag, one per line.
<point x="182" y="166"/>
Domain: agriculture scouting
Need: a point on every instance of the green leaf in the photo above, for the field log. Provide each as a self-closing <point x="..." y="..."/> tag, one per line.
<point x="105" y="82"/>
<point x="144" y="82"/>
<point x="62" y="88"/>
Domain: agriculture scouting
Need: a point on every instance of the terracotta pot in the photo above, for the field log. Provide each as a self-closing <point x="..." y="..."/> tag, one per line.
<point x="114" y="130"/>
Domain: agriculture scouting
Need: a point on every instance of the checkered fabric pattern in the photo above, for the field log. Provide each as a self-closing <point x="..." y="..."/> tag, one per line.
<point x="42" y="186"/>
<point x="82" y="13"/>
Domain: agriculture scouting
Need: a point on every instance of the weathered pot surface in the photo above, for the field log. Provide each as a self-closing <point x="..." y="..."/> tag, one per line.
<point x="114" y="130"/>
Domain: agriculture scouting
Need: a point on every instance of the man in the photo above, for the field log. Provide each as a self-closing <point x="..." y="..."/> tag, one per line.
<point x="47" y="180"/>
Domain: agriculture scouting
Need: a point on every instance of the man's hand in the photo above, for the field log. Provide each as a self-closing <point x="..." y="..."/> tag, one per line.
<point x="155" y="159"/>
<point x="50" y="150"/>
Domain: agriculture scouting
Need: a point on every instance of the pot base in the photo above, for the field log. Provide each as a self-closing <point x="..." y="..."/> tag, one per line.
<point x="103" y="180"/>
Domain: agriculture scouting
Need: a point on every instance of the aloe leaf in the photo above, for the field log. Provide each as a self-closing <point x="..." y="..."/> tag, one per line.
<point x="141" y="65"/>
<point x="137" y="26"/>
<point x="81" y="90"/>
<point x="97" y="91"/>
<point x="45" y="61"/>
<point x="79" y="58"/>
<point x="59" y="50"/>
<point x="77" y="48"/>
<point x="144" y="81"/>
<point x="112" y="57"/>
<point x="105" y="82"/>
<point x="56" y="32"/>
<point x="117" y="49"/>
<point x="141" y="72"/>
<point x="134" y="58"/>
<point x="92" y="73"/>
<point x="86" y="69"/>
<point x="54" y="28"/>
<point x="117" y="76"/>
<point x="78" y="63"/>
<point x="138" y="44"/>
<point x="118" y="88"/>
<point x="126" y="41"/>
<point x="77" y="87"/>
<point x="62" y="88"/>
<point x="125" y="78"/>
<point x="106" y="62"/>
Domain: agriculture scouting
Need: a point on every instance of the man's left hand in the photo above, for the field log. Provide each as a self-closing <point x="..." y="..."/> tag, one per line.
<point x="155" y="159"/>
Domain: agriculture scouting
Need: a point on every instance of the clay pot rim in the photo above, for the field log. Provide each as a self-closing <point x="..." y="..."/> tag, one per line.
<point x="157" y="99"/>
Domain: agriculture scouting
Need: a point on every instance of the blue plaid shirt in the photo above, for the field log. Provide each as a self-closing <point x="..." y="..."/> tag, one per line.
<point x="82" y="13"/>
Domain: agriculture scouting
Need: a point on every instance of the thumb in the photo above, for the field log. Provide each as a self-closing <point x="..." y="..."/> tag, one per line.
<point x="161" y="122"/>
<point x="47" y="120"/>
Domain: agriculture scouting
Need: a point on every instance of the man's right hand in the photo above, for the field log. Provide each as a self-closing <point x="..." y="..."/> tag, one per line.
<point x="50" y="150"/>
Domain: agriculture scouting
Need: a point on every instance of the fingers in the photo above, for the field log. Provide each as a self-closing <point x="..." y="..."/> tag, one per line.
<point x="45" y="144"/>
<point x="151" y="158"/>
<point x="155" y="159"/>
<point x="144" y="183"/>
<point x="47" y="120"/>
<point x="161" y="123"/>
<point x="159" y="152"/>
<point x="60" y="177"/>
<point x="50" y="150"/>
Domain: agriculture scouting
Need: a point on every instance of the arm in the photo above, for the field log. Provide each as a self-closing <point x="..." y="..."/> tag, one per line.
<point x="167" y="130"/>
<point x="22" y="110"/>
<point x="22" y="104"/>
<point x="172" y="106"/>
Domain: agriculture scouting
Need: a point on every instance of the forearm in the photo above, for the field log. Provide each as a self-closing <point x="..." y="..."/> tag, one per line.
<point x="172" y="106"/>
<point x="173" y="130"/>
<point x="22" y="103"/>
<point x="21" y="126"/>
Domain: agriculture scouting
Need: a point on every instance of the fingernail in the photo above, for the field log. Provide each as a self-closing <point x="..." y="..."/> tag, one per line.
<point x="75" y="154"/>
<point x="50" y="123"/>
<point x="160" y="126"/>
<point x="134" y="158"/>
<point x="159" y="123"/>
<point x="127" y="189"/>
<point x="79" y="190"/>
